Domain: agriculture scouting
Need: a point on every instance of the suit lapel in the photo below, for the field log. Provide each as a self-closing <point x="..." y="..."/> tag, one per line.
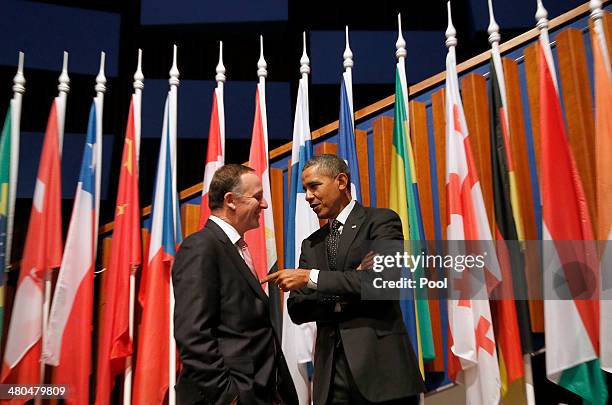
<point x="349" y="231"/>
<point x="240" y="265"/>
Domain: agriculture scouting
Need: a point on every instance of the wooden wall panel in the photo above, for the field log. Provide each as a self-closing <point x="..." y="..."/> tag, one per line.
<point x="326" y="147"/>
<point x="576" y="92"/>
<point x="437" y="105"/>
<point x="276" y="188"/>
<point x="361" y="144"/>
<point x="420" y="145"/>
<point x="383" y="146"/>
<point x="533" y="91"/>
<point x="190" y="219"/>
<point x="476" y="105"/>
<point x="520" y="159"/>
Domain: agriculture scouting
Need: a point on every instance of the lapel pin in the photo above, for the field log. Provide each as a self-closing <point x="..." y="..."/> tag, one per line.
<point x="354" y="226"/>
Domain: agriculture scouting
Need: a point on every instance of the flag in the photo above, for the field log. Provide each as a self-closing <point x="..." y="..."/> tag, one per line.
<point x="151" y="378"/>
<point x="42" y="252"/>
<point x="507" y="312"/>
<point x="69" y="329"/>
<point x="115" y="343"/>
<point x="298" y="340"/>
<point x="565" y="216"/>
<point x="603" y="156"/>
<point x="472" y="340"/>
<point x="261" y="240"/>
<point x="5" y="197"/>
<point x="346" y="134"/>
<point x="215" y="154"/>
<point x="404" y="199"/>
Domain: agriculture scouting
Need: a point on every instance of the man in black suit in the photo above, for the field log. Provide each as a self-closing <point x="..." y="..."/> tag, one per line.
<point x="229" y="349"/>
<point x="362" y="354"/>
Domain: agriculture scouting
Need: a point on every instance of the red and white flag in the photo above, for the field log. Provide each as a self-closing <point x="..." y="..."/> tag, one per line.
<point x="115" y="341"/>
<point x="261" y="241"/>
<point x="472" y="341"/>
<point x="42" y="252"/>
<point x="67" y="344"/>
<point x="215" y="155"/>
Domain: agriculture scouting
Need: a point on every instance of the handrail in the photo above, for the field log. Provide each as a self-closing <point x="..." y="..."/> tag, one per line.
<point x="415" y="89"/>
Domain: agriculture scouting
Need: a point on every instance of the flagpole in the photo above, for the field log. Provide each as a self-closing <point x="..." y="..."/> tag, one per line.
<point x="138" y="86"/>
<point x="18" y="91"/>
<point x="348" y="74"/>
<point x="172" y="123"/>
<point x="99" y="101"/>
<point x="220" y="78"/>
<point x="494" y="38"/>
<point x="262" y="73"/>
<point x="63" y="88"/>
<point x="596" y="16"/>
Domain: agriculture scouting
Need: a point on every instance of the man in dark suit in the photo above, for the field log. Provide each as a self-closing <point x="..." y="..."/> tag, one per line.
<point x="362" y="354"/>
<point x="229" y="349"/>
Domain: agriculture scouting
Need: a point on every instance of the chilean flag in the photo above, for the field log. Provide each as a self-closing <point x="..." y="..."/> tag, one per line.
<point x="215" y="155"/>
<point x="154" y="348"/>
<point x="69" y="330"/>
<point x="42" y="252"/>
<point x="346" y="134"/>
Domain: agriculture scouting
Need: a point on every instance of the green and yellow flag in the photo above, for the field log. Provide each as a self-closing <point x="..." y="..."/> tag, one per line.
<point x="5" y="174"/>
<point x="404" y="200"/>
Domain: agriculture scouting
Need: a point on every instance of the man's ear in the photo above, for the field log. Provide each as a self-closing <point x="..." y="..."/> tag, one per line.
<point x="230" y="200"/>
<point x="342" y="180"/>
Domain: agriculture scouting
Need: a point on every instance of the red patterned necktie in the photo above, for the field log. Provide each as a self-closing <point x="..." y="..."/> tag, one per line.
<point x="246" y="255"/>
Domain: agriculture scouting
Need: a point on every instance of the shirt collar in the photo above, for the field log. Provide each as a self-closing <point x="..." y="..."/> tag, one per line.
<point x="344" y="214"/>
<point x="229" y="230"/>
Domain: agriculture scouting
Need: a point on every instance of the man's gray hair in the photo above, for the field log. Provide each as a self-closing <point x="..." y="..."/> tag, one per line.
<point x="330" y="165"/>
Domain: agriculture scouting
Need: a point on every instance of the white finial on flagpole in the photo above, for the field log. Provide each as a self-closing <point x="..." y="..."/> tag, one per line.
<point x="174" y="72"/>
<point x="451" y="39"/>
<point x="348" y="54"/>
<point x="493" y="29"/>
<point x="220" y="77"/>
<point x="19" y="79"/>
<point x="261" y="63"/>
<point x="304" y="61"/>
<point x="541" y="16"/>
<point x="138" y="76"/>
<point x="400" y="44"/>
<point x="596" y="11"/>
<point x="101" y="79"/>
<point x="64" y="80"/>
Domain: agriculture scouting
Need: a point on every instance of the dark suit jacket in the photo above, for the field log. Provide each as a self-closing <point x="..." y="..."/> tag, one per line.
<point x="373" y="335"/>
<point x="223" y="327"/>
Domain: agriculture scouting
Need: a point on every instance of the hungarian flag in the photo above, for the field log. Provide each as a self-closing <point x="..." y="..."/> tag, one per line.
<point x="115" y="343"/>
<point x="67" y="344"/>
<point x="261" y="240"/>
<point x="568" y="240"/>
<point x="508" y="313"/>
<point x="346" y="133"/>
<point x="215" y="154"/>
<point x="42" y="252"/>
<point x="154" y="347"/>
<point x="404" y="199"/>
<point x="298" y="340"/>
<point x="603" y="157"/>
<point x="473" y="354"/>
